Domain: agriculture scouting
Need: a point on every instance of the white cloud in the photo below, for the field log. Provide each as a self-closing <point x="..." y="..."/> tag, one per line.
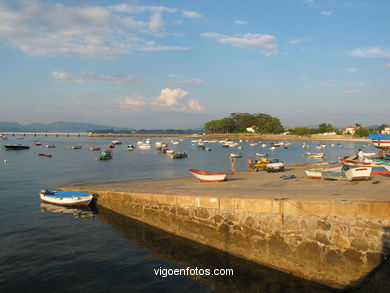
<point x="168" y="100"/>
<point x="241" y="22"/>
<point x="327" y="13"/>
<point x="387" y="65"/>
<point x="259" y="42"/>
<point x="43" y="28"/>
<point x="352" y="69"/>
<point x="179" y="79"/>
<point x="89" y="77"/>
<point x="191" y="14"/>
<point x="370" y="52"/>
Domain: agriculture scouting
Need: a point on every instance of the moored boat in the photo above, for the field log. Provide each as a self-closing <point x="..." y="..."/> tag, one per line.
<point x="45" y="155"/>
<point x="206" y="176"/>
<point x="179" y="155"/>
<point x="381" y="141"/>
<point x="16" y="147"/>
<point x="105" y="155"/>
<point x="236" y="155"/>
<point x="315" y="155"/>
<point x="50" y="146"/>
<point x="94" y="148"/>
<point x="130" y="147"/>
<point x="76" y="147"/>
<point x="66" y="198"/>
<point x="114" y="142"/>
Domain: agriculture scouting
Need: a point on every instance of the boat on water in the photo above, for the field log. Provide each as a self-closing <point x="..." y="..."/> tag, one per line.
<point x="94" y="148"/>
<point x="145" y="146"/>
<point x="236" y="155"/>
<point x="66" y="198"/>
<point x="111" y="146"/>
<point x="37" y="143"/>
<point x="130" y="147"/>
<point x="179" y="155"/>
<point x="114" y="142"/>
<point x="45" y="155"/>
<point x="16" y="147"/>
<point x="262" y="155"/>
<point x="315" y="155"/>
<point x="381" y="141"/>
<point x="169" y="152"/>
<point x="105" y="155"/>
<point x="76" y="147"/>
<point x="50" y="146"/>
<point x="206" y="176"/>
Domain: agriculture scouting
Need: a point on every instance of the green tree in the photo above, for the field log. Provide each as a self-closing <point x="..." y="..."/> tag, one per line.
<point x="325" y="127"/>
<point x="302" y="131"/>
<point x="362" y="131"/>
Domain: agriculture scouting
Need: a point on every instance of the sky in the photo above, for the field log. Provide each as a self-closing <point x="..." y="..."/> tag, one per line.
<point x="178" y="64"/>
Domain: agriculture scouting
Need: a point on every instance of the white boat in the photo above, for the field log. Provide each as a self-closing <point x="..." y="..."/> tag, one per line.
<point x="206" y="176"/>
<point x="145" y="146"/>
<point x="351" y="174"/>
<point x="66" y="198"/>
<point x="76" y="147"/>
<point x="316" y="173"/>
<point x="50" y="146"/>
<point x="316" y="155"/>
<point x="264" y="145"/>
<point x="114" y="142"/>
<point x="236" y="155"/>
<point x="179" y="155"/>
<point x="169" y="152"/>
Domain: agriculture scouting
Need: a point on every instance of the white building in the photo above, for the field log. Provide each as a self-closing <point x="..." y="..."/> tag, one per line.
<point x="349" y="130"/>
<point x="251" y="129"/>
<point x="386" y="130"/>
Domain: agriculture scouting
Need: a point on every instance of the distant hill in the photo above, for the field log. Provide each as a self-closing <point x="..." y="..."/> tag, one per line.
<point x="59" y="126"/>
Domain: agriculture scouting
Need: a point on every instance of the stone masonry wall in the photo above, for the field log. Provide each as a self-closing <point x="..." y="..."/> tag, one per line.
<point x="334" y="243"/>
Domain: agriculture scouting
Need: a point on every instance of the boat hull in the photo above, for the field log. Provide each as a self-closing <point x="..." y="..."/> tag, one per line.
<point x="206" y="176"/>
<point x="381" y="141"/>
<point x="67" y="198"/>
<point x="16" y="147"/>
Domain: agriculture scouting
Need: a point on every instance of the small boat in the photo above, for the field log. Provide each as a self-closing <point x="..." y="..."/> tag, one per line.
<point x="316" y="173"/>
<point x="206" y="176"/>
<point x="348" y="173"/>
<point x="50" y="146"/>
<point x="145" y="146"/>
<point x="381" y="141"/>
<point x="130" y="147"/>
<point x="76" y="147"/>
<point x="262" y="155"/>
<point x="114" y="142"/>
<point x="200" y="147"/>
<point x="66" y="198"/>
<point x="111" y="146"/>
<point x="236" y="155"/>
<point x="106" y="155"/>
<point x="179" y="155"/>
<point x="377" y="166"/>
<point x="169" y="152"/>
<point x="315" y="155"/>
<point x="37" y="143"/>
<point x="264" y="145"/>
<point x="45" y="155"/>
<point x="94" y="148"/>
<point x="16" y="147"/>
<point x="176" y="142"/>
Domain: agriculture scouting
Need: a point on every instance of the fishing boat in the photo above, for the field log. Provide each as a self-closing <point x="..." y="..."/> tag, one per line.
<point x="236" y="155"/>
<point x="377" y="166"/>
<point x="381" y="141"/>
<point x="45" y="155"/>
<point x="94" y="148"/>
<point x="206" y="176"/>
<point x="316" y="173"/>
<point x="106" y="155"/>
<point x="76" y="147"/>
<point x="315" y="155"/>
<point x="16" y="147"/>
<point x="66" y="198"/>
<point x="179" y="155"/>
<point x="348" y="173"/>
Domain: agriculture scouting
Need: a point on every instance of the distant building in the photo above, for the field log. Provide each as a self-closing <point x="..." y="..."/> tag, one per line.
<point x="328" y="133"/>
<point x="349" y="130"/>
<point x="386" y="130"/>
<point x="251" y="129"/>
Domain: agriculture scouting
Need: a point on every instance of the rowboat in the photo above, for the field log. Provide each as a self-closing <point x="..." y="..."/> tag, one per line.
<point x="50" y="146"/>
<point x="352" y="174"/>
<point x="114" y="142"/>
<point x="94" y="148"/>
<point x="66" y="198"/>
<point x="262" y="155"/>
<point x="237" y="155"/>
<point x="315" y="155"/>
<point x="316" y="173"/>
<point x="45" y="155"/>
<point x="16" y="147"/>
<point x="179" y="155"/>
<point x="206" y="176"/>
<point x="377" y="166"/>
<point x="381" y="141"/>
<point x="106" y="155"/>
<point x="76" y="147"/>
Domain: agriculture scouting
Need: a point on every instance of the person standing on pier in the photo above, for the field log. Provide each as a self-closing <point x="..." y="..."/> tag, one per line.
<point x="234" y="166"/>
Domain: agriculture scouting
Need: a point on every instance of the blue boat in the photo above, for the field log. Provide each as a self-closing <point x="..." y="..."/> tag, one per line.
<point x="66" y="198"/>
<point x="381" y="141"/>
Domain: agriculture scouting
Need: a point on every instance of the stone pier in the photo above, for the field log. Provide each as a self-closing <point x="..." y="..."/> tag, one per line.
<point x="332" y="232"/>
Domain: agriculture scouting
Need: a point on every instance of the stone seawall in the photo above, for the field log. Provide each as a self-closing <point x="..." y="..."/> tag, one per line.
<point x="332" y="242"/>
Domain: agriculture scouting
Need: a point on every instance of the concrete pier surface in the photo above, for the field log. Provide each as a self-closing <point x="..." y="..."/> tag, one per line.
<point x="333" y="232"/>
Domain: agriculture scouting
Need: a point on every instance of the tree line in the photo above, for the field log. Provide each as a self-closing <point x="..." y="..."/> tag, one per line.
<point x="239" y="122"/>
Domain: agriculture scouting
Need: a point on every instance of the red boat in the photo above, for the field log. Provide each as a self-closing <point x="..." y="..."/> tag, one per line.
<point x="111" y="146"/>
<point x="45" y="155"/>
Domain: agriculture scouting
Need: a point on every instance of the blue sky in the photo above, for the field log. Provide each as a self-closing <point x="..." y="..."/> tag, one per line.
<point x="178" y="64"/>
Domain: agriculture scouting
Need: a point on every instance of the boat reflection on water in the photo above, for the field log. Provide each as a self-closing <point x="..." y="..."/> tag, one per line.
<point x="182" y="253"/>
<point x="77" y="212"/>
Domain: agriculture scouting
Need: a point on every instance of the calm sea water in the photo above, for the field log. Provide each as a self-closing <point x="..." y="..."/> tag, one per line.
<point x="51" y="249"/>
